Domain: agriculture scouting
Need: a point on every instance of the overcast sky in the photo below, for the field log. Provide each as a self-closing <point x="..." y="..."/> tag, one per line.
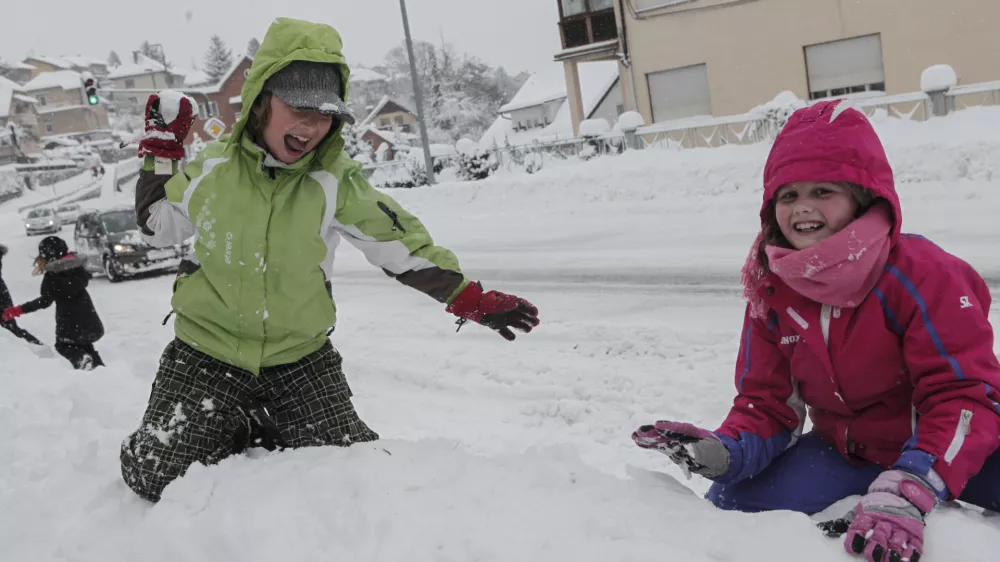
<point x="517" y="34"/>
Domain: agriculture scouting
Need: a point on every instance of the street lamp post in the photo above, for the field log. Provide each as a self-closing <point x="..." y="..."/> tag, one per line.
<point x="428" y="161"/>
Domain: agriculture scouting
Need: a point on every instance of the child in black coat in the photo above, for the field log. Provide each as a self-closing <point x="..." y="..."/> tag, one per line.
<point x="65" y="283"/>
<point x="6" y="301"/>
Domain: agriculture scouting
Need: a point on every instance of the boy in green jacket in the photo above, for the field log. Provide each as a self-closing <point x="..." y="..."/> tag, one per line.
<point x="268" y="205"/>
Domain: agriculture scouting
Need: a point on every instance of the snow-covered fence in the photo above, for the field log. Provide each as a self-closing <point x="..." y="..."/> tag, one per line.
<point x="761" y="123"/>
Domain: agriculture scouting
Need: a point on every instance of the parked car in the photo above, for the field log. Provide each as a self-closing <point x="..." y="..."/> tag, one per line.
<point x="42" y="221"/>
<point x="68" y="213"/>
<point x="110" y="243"/>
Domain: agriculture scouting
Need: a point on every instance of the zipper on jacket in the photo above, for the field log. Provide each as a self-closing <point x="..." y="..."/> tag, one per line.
<point x="964" y="428"/>
<point x="824" y="323"/>
<point x="392" y="215"/>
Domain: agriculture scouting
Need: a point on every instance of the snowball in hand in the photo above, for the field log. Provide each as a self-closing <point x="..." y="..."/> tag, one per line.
<point x="170" y="105"/>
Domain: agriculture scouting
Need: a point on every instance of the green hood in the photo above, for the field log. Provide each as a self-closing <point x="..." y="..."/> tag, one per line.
<point x="288" y="40"/>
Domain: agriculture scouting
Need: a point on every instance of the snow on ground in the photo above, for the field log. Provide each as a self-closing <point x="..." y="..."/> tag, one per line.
<point x="491" y="450"/>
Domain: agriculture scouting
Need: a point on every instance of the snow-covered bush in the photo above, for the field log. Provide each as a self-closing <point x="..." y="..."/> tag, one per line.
<point x="474" y="163"/>
<point x="774" y="114"/>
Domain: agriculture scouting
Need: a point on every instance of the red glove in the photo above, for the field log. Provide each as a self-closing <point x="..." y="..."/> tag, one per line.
<point x="163" y="139"/>
<point x="495" y="310"/>
<point x="12" y="312"/>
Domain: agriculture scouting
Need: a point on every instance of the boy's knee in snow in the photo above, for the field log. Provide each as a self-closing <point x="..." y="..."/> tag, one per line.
<point x="145" y="476"/>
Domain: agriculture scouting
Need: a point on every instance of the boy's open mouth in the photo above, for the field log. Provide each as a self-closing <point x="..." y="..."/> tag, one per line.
<point x="295" y="144"/>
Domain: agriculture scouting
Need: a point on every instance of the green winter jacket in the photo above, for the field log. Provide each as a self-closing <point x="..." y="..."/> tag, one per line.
<point x="267" y="232"/>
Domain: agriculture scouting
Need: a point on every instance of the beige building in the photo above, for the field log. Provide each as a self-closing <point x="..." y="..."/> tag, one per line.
<point x="76" y="63"/>
<point x="724" y="57"/>
<point x="143" y="73"/>
<point x="391" y="116"/>
<point x="17" y="107"/>
<point x="63" y="109"/>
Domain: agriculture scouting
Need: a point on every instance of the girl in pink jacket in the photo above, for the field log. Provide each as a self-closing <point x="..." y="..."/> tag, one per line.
<point x="884" y="337"/>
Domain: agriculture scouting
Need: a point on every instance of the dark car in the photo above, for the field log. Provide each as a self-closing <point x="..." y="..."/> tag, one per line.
<point x="110" y="243"/>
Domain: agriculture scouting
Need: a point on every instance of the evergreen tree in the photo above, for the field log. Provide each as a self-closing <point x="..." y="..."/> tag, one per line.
<point x="218" y="59"/>
<point x="252" y="47"/>
<point x="114" y="59"/>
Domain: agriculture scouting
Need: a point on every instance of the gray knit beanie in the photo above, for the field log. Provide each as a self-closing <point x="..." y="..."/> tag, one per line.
<point x="311" y="86"/>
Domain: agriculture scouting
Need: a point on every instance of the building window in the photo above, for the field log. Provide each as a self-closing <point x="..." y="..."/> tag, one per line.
<point x="399" y="120"/>
<point x="845" y="67"/>
<point x="41" y="100"/>
<point x="653" y="4"/>
<point x="679" y="93"/>
<point x="213" y="109"/>
<point x="48" y="128"/>
<point x="129" y="83"/>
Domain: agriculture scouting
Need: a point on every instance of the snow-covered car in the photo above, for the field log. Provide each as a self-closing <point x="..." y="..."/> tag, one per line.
<point x="42" y="221"/>
<point x="68" y="213"/>
<point x="109" y="242"/>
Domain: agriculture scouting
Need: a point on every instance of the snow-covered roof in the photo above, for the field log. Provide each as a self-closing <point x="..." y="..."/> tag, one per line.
<point x="53" y="61"/>
<point x="378" y="109"/>
<point x="8" y="89"/>
<point x="596" y="79"/>
<point x="394" y="138"/>
<point x="65" y="79"/>
<point x="83" y="62"/>
<point x="24" y="98"/>
<point x="15" y="65"/>
<point x="192" y="77"/>
<point x="145" y="65"/>
<point x="550" y="85"/>
<point x="362" y="74"/>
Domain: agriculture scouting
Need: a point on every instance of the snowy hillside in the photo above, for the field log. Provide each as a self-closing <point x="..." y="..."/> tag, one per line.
<point x="491" y="450"/>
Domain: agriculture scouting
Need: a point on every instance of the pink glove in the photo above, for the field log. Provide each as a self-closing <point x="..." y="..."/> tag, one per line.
<point x="888" y="522"/>
<point x="692" y="448"/>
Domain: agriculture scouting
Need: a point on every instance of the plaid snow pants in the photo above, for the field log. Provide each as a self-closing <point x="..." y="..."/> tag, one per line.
<point x="204" y="410"/>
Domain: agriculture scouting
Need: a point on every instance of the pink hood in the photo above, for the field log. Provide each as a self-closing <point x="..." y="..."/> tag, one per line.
<point x="826" y="141"/>
<point x="830" y="142"/>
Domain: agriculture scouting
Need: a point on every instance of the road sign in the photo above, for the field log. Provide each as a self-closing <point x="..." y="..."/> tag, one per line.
<point x="214" y="128"/>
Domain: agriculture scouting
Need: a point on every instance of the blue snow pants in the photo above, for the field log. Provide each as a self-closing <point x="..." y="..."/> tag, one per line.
<point x="812" y="476"/>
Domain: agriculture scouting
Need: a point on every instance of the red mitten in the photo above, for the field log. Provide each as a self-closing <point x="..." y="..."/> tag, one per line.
<point x="495" y="310"/>
<point x="163" y="138"/>
<point x="12" y="312"/>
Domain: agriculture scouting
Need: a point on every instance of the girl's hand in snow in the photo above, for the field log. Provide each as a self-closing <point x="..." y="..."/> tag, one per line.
<point x="692" y="448"/>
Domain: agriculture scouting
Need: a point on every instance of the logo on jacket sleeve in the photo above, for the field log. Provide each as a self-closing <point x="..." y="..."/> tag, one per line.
<point x="964" y="301"/>
<point x="787" y="340"/>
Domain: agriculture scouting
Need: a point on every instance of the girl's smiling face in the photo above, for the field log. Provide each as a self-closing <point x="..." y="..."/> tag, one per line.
<point x="809" y="212"/>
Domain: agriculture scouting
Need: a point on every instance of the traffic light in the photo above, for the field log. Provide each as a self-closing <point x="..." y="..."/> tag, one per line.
<point x="90" y="88"/>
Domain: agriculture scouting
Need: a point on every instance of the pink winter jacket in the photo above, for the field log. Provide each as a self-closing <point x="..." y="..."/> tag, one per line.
<point x="908" y="379"/>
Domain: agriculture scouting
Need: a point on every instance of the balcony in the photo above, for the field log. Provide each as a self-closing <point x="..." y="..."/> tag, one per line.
<point x="585" y="22"/>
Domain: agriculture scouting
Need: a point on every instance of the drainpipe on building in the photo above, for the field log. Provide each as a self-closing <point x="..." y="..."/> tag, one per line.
<point x="626" y="58"/>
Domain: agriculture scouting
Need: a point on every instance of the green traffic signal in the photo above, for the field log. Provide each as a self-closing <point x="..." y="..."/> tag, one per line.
<point x="93" y="100"/>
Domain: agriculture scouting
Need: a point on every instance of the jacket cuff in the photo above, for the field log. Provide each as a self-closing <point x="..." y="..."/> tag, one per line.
<point x="922" y="465"/>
